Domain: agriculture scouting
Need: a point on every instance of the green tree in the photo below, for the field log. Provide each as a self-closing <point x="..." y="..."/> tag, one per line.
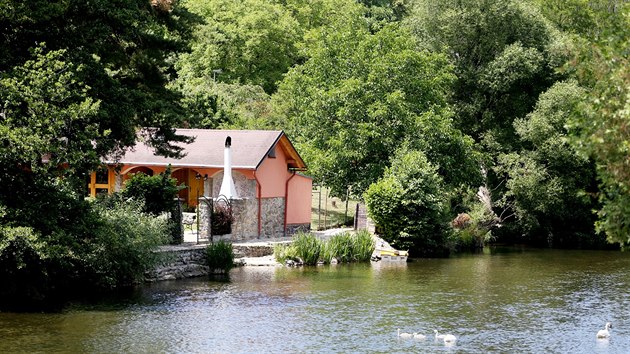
<point x="551" y="187"/>
<point x="410" y="204"/>
<point x="360" y="96"/>
<point x="249" y="42"/>
<point x="77" y="81"/>
<point x="504" y="53"/>
<point x="601" y="65"/>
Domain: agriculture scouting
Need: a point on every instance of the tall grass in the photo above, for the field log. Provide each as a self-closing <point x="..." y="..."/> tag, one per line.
<point x="363" y="246"/>
<point x="220" y="256"/>
<point x="308" y="247"/>
<point x="345" y="247"/>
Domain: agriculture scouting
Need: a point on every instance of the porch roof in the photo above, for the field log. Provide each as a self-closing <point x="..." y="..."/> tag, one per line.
<point x="249" y="149"/>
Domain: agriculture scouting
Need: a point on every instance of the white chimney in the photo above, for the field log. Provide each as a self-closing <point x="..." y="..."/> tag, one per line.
<point x="227" y="185"/>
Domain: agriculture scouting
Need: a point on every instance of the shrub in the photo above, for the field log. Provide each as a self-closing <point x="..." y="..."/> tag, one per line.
<point x="121" y="249"/>
<point x="157" y="193"/>
<point x="220" y="256"/>
<point x="222" y="220"/>
<point x="409" y="204"/>
<point x="23" y="262"/>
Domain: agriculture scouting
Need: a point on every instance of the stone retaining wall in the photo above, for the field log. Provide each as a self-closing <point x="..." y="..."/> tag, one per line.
<point x="179" y="262"/>
<point x="189" y="261"/>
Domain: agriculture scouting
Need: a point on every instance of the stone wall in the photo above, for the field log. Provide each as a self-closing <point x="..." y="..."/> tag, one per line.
<point x="179" y="262"/>
<point x="272" y="217"/>
<point x="245" y="225"/>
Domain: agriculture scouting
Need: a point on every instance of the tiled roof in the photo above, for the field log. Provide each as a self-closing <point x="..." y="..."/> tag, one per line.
<point x="249" y="148"/>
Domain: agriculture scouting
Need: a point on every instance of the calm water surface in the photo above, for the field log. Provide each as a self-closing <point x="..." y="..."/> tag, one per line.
<point x="528" y="301"/>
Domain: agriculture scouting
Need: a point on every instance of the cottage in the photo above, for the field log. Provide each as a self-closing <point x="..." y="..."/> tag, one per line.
<point x="271" y="197"/>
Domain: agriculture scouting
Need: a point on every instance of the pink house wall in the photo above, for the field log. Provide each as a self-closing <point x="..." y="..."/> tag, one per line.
<point x="299" y="201"/>
<point x="273" y="174"/>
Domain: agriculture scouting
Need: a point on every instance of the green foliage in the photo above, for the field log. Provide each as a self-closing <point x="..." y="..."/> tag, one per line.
<point x="121" y="248"/>
<point x="22" y="259"/>
<point x="220" y="256"/>
<point x="284" y="252"/>
<point x="307" y="248"/>
<point x="251" y="42"/>
<point x="344" y="247"/>
<point x="157" y="193"/>
<point x="360" y="96"/>
<point x="503" y="56"/>
<point x="77" y="82"/>
<point x="107" y="244"/>
<point x="601" y="65"/>
<point x="549" y="185"/>
<point x="409" y="204"/>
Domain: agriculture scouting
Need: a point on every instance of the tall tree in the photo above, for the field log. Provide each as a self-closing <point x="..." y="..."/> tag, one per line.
<point x="362" y="95"/>
<point x="503" y="53"/>
<point x="551" y="187"/>
<point x="603" y="122"/>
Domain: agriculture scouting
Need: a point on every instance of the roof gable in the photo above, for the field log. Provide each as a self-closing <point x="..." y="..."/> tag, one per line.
<point x="249" y="149"/>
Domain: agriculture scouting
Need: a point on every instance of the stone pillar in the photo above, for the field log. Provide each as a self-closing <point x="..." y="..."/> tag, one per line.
<point x="207" y="187"/>
<point x="205" y="218"/>
<point x="176" y="220"/>
<point x="118" y="182"/>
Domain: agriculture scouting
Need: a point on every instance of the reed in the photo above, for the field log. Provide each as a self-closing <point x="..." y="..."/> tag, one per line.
<point x="220" y="256"/>
<point x="283" y="253"/>
<point x="363" y="246"/>
<point x="341" y="247"/>
<point x="345" y="248"/>
<point x="308" y="247"/>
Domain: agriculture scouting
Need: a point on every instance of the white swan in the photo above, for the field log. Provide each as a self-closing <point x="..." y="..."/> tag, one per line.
<point x="604" y="333"/>
<point x="419" y="336"/>
<point x="404" y="335"/>
<point x="447" y="338"/>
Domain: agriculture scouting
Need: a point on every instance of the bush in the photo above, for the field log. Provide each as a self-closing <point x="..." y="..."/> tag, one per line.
<point x="121" y="249"/>
<point x="409" y="204"/>
<point x="220" y="256"/>
<point x="23" y="266"/>
<point x="222" y="220"/>
<point x="110" y="244"/>
<point x="158" y="194"/>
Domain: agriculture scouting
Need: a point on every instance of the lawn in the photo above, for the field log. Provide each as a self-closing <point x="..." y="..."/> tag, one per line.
<point x="332" y="212"/>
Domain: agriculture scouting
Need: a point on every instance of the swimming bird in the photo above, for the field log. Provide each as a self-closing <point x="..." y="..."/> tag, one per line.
<point x="604" y="333"/>
<point x="404" y="335"/>
<point x="447" y="338"/>
<point x="419" y="336"/>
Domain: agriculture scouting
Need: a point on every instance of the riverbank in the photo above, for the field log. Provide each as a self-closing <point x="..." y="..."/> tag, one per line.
<point x="188" y="259"/>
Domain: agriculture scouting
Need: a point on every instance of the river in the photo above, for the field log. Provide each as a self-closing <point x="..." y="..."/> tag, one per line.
<point x="504" y="300"/>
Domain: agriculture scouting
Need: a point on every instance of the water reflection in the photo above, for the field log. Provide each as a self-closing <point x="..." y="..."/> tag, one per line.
<point x="525" y="301"/>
